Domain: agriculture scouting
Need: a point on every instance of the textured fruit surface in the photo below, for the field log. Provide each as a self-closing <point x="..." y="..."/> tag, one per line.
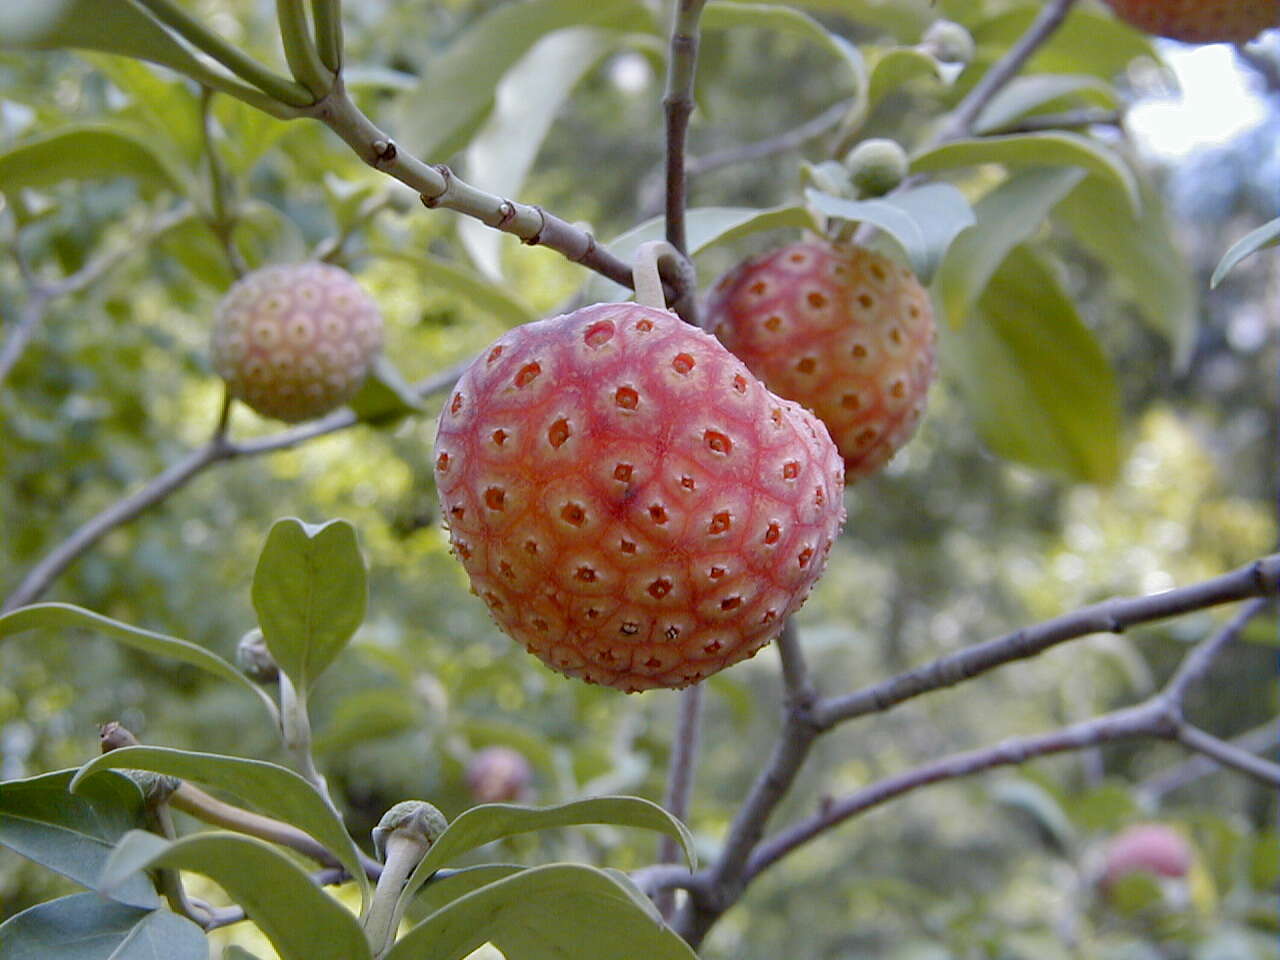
<point x="634" y="506"/>
<point x="1148" y="847"/>
<point x="1200" y="21"/>
<point x="499" y="775"/>
<point x="844" y="331"/>
<point x="294" y="342"/>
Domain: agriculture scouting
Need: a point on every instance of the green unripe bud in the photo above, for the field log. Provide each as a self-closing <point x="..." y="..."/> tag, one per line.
<point x="948" y="42"/>
<point x="255" y="660"/>
<point x="414" y="820"/>
<point x="876" y="166"/>
<point x="155" y="787"/>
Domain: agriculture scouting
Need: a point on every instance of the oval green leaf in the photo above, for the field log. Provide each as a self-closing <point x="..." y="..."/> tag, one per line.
<point x="64" y="616"/>
<point x="1025" y="95"/>
<point x="273" y="789"/>
<point x="720" y="15"/>
<point x="301" y="920"/>
<point x="1267" y="235"/>
<point x="923" y="221"/>
<point x="385" y="398"/>
<point x="89" y="152"/>
<point x="546" y="913"/>
<point x="463" y="281"/>
<point x="310" y="591"/>
<point x="1022" y="150"/>
<point x="73" y="834"/>
<point x="86" y="927"/>
<point x="897" y="67"/>
<point x="1035" y="379"/>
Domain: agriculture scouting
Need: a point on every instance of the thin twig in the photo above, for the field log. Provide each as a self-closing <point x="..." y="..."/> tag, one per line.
<point x="1261" y="578"/>
<point x="169" y="481"/>
<point x="222" y="213"/>
<point x="684" y="756"/>
<point x="1255" y="741"/>
<point x="1197" y="663"/>
<point x="1264" y="771"/>
<point x="678" y="104"/>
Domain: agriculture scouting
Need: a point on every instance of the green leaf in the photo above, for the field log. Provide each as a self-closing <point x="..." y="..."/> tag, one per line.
<point x="905" y="19"/>
<point x="526" y="103"/>
<point x="1025" y="95"/>
<point x="1267" y="235"/>
<point x="1006" y="217"/>
<point x="463" y="281"/>
<point x="897" y="67"/>
<point x="112" y="26"/>
<point x="719" y="15"/>
<point x="72" y="834"/>
<point x="705" y="227"/>
<point x="234" y="952"/>
<point x="1140" y="256"/>
<point x="456" y="91"/>
<point x="385" y="397"/>
<point x="1041" y="809"/>
<point x="923" y="221"/>
<point x="1034" y="378"/>
<point x="310" y="590"/>
<point x="443" y="890"/>
<point x="1087" y="42"/>
<point x="369" y="715"/>
<point x="1033" y="150"/>
<point x="489" y="822"/>
<point x="87" y="152"/>
<point x="86" y="927"/>
<point x="64" y="616"/>
<point x="546" y="913"/>
<point x="300" y="919"/>
<point x="274" y="790"/>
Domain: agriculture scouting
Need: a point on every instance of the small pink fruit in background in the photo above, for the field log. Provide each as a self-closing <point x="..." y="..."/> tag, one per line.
<point x="295" y="342"/>
<point x="845" y="332"/>
<point x="499" y="775"/>
<point x="1200" y="21"/>
<point x="634" y="507"/>
<point x="1149" y="847"/>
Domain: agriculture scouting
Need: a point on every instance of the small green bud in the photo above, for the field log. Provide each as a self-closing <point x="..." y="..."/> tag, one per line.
<point x="255" y="660"/>
<point x="948" y="42"/>
<point x="876" y="166"/>
<point x="411" y="819"/>
<point x="155" y="787"/>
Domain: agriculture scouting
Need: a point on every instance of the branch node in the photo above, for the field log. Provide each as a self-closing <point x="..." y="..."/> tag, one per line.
<point x="506" y="213"/>
<point x="433" y="201"/>
<point x="384" y="151"/>
<point x="535" y="238"/>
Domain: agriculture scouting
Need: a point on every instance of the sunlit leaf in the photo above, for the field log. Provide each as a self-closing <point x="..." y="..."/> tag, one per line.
<point x="721" y="15"/>
<point x="898" y="66"/>
<point x="86" y="927"/>
<point x="301" y="920"/>
<point x="465" y="282"/>
<point x="88" y="152"/>
<point x="1030" y="94"/>
<point x="385" y="397"/>
<point x="1089" y="41"/>
<point x="310" y="591"/>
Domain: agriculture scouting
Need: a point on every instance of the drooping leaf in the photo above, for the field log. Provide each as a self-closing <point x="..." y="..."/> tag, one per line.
<point x="443" y="890"/>
<point x="385" y="397"/>
<point x="1020" y="150"/>
<point x="84" y="926"/>
<point x="897" y="66"/>
<point x="1034" y="378"/>
<point x="705" y="226"/>
<point x="273" y="789"/>
<point x="64" y="616"/>
<point x="463" y="281"/>
<point x="1267" y="235"/>
<point x="300" y="919"/>
<point x="1041" y="810"/>
<point x="456" y="90"/>
<point x="526" y="103"/>
<point x="546" y="913"/>
<point x="923" y="221"/>
<point x="73" y="834"/>
<point x="721" y="15"/>
<point x="489" y="822"/>
<point x="1026" y="95"/>
<point x="85" y="152"/>
<point x="1089" y="41"/>
<point x="1140" y="255"/>
<point x="1006" y="217"/>
<point x="310" y="590"/>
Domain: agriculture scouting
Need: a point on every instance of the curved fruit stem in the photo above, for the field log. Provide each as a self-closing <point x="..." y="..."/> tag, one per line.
<point x="654" y="258"/>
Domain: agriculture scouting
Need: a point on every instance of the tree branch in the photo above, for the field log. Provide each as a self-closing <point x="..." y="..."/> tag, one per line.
<point x="1261" y="578"/>
<point x="1257" y="740"/>
<point x="1198" y="741"/>
<point x="684" y="755"/>
<point x="678" y="103"/>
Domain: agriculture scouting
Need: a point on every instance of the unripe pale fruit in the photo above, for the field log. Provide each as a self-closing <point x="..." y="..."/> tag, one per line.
<point x="634" y="507"/>
<point x="1149" y="847"/>
<point x="499" y="775"/>
<point x="1200" y="21"/>
<point x="844" y="331"/>
<point x="876" y="166"/>
<point x="949" y="42"/>
<point x="294" y="342"/>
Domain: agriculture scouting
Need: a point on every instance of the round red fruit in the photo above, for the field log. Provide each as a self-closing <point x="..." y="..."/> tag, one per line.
<point x="1200" y="21"/>
<point x="295" y="342"/>
<point x="844" y="331"/>
<point x="634" y="507"/>
<point x="1149" y="848"/>
<point x="499" y="775"/>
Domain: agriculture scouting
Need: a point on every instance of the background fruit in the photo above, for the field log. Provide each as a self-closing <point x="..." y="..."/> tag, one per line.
<point x="1200" y="21"/>
<point x="846" y="332"/>
<point x="1150" y="847"/>
<point x="631" y="503"/>
<point x="876" y="166"/>
<point x="294" y="342"/>
<point x="499" y="775"/>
